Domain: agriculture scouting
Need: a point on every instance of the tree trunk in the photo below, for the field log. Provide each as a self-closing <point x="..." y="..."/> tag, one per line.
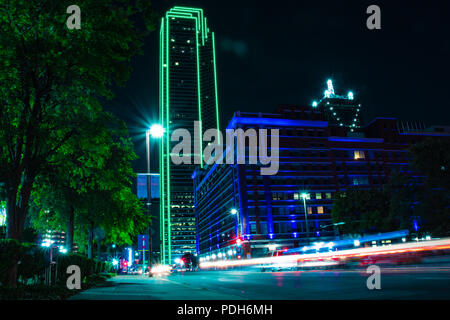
<point x="13" y="231"/>
<point x="70" y="228"/>
<point x="98" y="249"/>
<point x="11" y="275"/>
<point x="90" y="241"/>
<point x="17" y="211"/>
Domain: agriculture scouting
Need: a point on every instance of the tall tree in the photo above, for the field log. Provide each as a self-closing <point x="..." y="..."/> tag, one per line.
<point x="92" y="187"/>
<point x="432" y="158"/>
<point x="362" y="211"/>
<point x="50" y="81"/>
<point x="403" y="192"/>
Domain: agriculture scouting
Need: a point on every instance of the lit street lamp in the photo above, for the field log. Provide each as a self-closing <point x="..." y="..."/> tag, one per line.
<point x="333" y="224"/>
<point x="304" y="196"/>
<point x="236" y="212"/>
<point x="156" y="131"/>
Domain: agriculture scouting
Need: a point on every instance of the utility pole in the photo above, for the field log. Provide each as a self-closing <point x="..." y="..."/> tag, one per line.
<point x="149" y="204"/>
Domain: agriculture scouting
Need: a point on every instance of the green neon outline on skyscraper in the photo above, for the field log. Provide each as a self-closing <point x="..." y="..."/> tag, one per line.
<point x="201" y="38"/>
<point x="161" y="166"/>
<point x="215" y="85"/>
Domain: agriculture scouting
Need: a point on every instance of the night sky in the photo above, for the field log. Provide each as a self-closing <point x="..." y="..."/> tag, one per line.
<point x="282" y="52"/>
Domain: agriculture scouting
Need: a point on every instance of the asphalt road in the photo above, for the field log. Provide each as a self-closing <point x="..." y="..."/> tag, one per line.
<point x="412" y="282"/>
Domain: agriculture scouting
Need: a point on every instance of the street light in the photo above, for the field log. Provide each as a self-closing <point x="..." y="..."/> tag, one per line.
<point x="304" y="196"/>
<point x="155" y="131"/>
<point x="333" y="224"/>
<point x="236" y="212"/>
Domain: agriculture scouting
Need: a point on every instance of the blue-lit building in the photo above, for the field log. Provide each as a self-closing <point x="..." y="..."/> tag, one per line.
<point x="148" y="191"/>
<point x="241" y="213"/>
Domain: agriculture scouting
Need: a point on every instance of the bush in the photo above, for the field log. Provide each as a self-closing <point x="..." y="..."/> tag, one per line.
<point x="33" y="260"/>
<point x="95" y="279"/>
<point x="11" y="251"/>
<point x="36" y="292"/>
<point x="32" y="264"/>
<point x="88" y="266"/>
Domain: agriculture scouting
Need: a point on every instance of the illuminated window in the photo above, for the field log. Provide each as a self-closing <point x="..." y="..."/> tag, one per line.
<point x="296" y="196"/>
<point x="309" y="210"/>
<point x="328" y="195"/>
<point x="359" y="155"/>
<point x="318" y="196"/>
<point x="320" y="210"/>
<point x="360" y="181"/>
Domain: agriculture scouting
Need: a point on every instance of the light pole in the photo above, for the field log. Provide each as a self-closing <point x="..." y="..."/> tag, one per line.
<point x="156" y="131"/>
<point x="239" y="230"/>
<point x="304" y="196"/>
<point x="236" y="212"/>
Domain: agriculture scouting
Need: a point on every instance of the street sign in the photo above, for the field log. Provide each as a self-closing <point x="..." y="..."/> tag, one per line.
<point x="142" y="181"/>
<point x="142" y="242"/>
<point x="142" y="186"/>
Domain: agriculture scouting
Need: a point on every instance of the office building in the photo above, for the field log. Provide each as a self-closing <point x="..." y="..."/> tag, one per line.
<point x="188" y="94"/>
<point x="241" y="213"/>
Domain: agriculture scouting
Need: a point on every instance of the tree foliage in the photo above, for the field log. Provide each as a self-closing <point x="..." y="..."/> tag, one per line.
<point x="432" y="158"/>
<point x="362" y="211"/>
<point x="93" y="185"/>
<point x="51" y="82"/>
<point x="405" y="198"/>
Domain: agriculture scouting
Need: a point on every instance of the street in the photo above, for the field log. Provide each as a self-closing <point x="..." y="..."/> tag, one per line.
<point x="407" y="282"/>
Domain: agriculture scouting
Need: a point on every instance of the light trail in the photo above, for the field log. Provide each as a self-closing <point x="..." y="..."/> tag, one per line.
<point x="441" y="244"/>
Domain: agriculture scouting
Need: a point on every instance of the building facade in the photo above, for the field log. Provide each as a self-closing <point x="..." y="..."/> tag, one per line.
<point x="148" y="192"/>
<point x="293" y="207"/>
<point x="188" y="96"/>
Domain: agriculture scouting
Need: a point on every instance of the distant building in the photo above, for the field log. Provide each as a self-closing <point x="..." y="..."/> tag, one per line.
<point x="55" y="238"/>
<point x="340" y="110"/>
<point x="148" y="184"/>
<point x="317" y="159"/>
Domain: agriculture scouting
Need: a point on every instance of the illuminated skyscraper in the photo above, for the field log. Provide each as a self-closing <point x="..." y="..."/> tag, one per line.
<point x="340" y="110"/>
<point x="188" y="93"/>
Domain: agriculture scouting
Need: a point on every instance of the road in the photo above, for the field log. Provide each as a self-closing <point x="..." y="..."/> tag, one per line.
<point x="412" y="282"/>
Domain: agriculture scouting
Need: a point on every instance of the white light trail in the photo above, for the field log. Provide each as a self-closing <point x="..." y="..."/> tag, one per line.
<point x="334" y="255"/>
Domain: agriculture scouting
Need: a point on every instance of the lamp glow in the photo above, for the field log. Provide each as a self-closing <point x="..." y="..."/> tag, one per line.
<point x="156" y="131"/>
<point x="350" y="95"/>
